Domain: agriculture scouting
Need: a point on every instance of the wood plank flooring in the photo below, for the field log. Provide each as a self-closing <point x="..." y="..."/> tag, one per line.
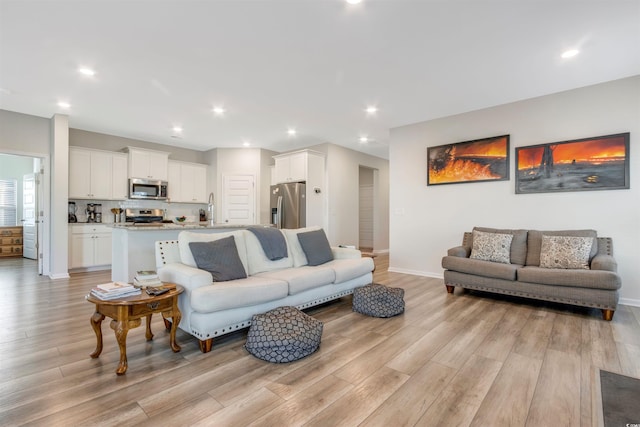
<point x="467" y="359"/>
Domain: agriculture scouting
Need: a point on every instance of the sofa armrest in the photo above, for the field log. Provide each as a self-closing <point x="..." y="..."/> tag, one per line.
<point x="345" y="253"/>
<point x="189" y="277"/>
<point x="604" y="262"/>
<point x="459" y="251"/>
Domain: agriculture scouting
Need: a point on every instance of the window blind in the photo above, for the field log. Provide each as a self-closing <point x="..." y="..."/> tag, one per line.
<point x="8" y="202"/>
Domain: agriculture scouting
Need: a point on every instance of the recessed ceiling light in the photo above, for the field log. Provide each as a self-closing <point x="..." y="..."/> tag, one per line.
<point x="570" y="53"/>
<point x="177" y="129"/>
<point x="291" y="132"/>
<point x="86" y="71"/>
<point x="354" y="1"/>
<point x="364" y="139"/>
<point x="372" y="109"/>
<point x="246" y="144"/>
<point x="219" y="111"/>
<point x="64" y="105"/>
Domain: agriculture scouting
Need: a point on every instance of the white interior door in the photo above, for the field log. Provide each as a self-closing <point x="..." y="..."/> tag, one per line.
<point x="238" y="199"/>
<point x="30" y="216"/>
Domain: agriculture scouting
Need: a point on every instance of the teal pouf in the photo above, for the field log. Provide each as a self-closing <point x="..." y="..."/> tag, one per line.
<point x="378" y="300"/>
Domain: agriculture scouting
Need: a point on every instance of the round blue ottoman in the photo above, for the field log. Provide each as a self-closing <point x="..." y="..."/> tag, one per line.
<point x="378" y="300"/>
<point x="283" y="335"/>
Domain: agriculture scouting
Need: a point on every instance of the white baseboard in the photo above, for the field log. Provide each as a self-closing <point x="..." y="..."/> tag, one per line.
<point x="630" y="301"/>
<point x="58" y="276"/>
<point x="416" y="272"/>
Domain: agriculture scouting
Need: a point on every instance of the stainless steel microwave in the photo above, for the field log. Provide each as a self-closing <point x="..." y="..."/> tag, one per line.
<point x="147" y="189"/>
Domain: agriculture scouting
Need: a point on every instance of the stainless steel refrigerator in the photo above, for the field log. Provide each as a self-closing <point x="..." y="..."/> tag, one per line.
<point x="288" y="205"/>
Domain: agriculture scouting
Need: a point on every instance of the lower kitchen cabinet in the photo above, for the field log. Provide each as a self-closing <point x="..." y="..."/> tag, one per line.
<point x="89" y="245"/>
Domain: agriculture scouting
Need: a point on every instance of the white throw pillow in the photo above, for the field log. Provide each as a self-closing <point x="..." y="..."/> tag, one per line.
<point x="565" y="252"/>
<point x="186" y="237"/>
<point x="494" y="247"/>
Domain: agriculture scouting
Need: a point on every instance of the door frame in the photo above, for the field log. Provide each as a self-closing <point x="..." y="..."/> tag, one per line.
<point x="44" y="210"/>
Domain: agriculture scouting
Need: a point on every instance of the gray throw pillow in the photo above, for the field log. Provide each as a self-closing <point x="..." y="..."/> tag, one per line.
<point x="220" y="258"/>
<point x="316" y="247"/>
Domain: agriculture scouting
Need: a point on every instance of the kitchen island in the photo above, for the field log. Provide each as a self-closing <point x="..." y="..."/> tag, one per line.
<point x="133" y="247"/>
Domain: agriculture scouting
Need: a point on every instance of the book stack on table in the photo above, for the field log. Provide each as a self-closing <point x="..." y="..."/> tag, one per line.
<point x="146" y="279"/>
<point x="114" y="290"/>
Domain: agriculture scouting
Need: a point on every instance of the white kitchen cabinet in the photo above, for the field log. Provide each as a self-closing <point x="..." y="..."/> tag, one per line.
<point x="148" y="164"/>
<point x="291" y="167"/>
<point x="187" y="182"/>
<point x="89" y="245"/>
<point x="96" y="174"/>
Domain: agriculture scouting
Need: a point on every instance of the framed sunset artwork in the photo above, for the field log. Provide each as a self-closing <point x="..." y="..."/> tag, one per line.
<point x="598" y="163"/>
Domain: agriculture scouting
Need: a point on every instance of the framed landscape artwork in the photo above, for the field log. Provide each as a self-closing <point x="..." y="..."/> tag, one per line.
<point x="479" y="160"/>
<point x="599" y="163"/>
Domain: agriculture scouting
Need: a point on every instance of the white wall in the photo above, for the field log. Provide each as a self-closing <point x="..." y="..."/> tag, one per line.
<point x="24" y="134"/>
<point x="343" y="178"/>
<point x="426" y="221"/>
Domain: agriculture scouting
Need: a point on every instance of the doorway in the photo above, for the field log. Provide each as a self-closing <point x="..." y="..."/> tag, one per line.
<point x="366" y="209"/>
<point x="28" y="204"/>
<point x="238" y="199"/>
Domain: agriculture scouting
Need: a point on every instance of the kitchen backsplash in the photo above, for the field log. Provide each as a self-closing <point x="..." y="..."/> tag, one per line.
<point x="190" y="210"/>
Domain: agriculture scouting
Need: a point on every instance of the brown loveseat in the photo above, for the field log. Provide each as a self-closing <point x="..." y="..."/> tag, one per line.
<point x="512" y="266"/>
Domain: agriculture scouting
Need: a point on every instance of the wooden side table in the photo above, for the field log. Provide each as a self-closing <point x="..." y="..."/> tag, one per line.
<point x="127" y="313"/>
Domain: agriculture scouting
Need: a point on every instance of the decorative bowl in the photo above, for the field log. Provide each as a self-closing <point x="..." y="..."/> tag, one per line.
<point x="181" y="218"/>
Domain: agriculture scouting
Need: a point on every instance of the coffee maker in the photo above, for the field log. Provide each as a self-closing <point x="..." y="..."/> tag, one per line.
<point x="94" y="212"/>
<point x="72" y="212"/>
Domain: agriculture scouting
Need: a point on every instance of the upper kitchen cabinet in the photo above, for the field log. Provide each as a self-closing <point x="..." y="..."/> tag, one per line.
<point x="298" y="166"/>
<point x="148" y="164"/>
<point x="187" y="182"/>
<point x="96" y="174"/>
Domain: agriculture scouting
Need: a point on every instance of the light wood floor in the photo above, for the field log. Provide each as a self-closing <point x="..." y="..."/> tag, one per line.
<point x="462" y="359"/>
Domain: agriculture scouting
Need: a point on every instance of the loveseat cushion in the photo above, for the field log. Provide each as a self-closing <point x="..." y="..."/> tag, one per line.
<point x="347" y="269"/>
<point x="302" y="278"/>
<point x="534" y="243"/>
<point x="480" y="267"/>
<point x="518" y="244"/>
<point x="237" y="293"/>
<point x="258" y="261"/>
<point x="186" y="237"/>
<point x="596" y="279"/>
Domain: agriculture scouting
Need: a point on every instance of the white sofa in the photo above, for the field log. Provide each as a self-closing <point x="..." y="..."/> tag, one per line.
<point x="211" y="309"/>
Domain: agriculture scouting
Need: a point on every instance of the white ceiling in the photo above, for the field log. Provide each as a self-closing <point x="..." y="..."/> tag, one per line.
<point x="313" y="65"/>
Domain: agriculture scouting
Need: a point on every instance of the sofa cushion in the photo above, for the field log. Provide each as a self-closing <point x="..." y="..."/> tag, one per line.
<point x="480" y="267"/>
<point x="494" y="247"/>
<point x="347" y="269"/>
<point x="565" y="252"/>
<point x="237" y="293"/>
<point x="295" y="250"/>
<point x="186" y="237"/>
<point x="220" y="258"/>
<point x="597" y="279"/>
<point x="258" y="261"/>
<point x="316" y="247"/>
<point x="302" y="278"/>
<point x="518" y="254"/>
<point x="534" y="243"/>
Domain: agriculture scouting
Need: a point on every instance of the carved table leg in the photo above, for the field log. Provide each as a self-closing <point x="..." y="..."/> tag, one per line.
<point x="96" y="324"/>
<point x="175" y="321"/>
<point x="121" y="329"/>
<point x="149" y="334"/>
<point x="167" y="322"/>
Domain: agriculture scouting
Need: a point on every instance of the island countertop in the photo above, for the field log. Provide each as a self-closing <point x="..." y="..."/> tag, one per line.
<point x="133" y="246"/>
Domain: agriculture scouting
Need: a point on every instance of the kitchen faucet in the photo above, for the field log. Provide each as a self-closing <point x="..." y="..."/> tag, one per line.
<point x="211" y="209"/>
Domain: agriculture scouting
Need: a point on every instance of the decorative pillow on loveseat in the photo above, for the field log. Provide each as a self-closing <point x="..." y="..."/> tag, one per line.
<point x="220" y="258"/>
<point x="316" y="247"/>
<point x="565" y="252"/>
<point x="494" y="247"/>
